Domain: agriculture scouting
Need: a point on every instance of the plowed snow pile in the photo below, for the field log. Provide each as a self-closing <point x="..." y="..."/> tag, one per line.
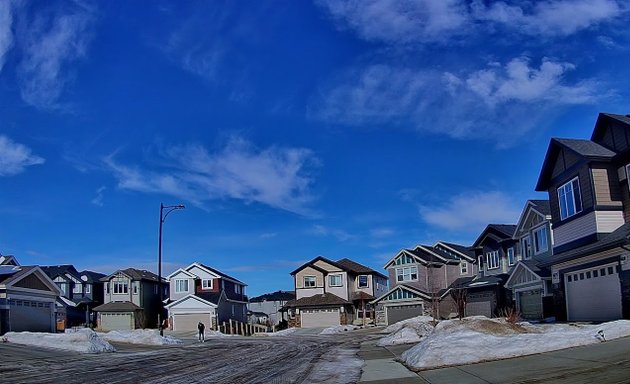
<point x="407" y="331"/>
<point x="82" y="340"/>
<point x="140" y="336"/>
<point x="476" y="339"/>
<point x="338" y="329"/>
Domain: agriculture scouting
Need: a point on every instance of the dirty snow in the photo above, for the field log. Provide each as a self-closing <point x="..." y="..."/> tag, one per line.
<point x="338" y="329"/>
<point x="407" y="331"/>
<point x="339" y="366"/>
<point x="481" y="339"/>
<point x="283" y="332"/>
<point x="139" y="336"/>
<point x="82" y="340"/>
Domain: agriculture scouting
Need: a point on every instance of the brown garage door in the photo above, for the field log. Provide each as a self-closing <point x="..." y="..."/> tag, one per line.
<point x="402" y="312"/>
<point x="189" y="321"/>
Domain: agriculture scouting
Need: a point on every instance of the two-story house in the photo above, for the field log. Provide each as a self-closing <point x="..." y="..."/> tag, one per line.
<point x="588" y="186"/>
<point x="420" y="277"/>
<point x="131" y="299"/>
<point x="81" y="292"/>
<point x="270" y="305"/>
<point x="530" y="282"/>
<point x="199" y="293"/>
<point x="329" y="293"/>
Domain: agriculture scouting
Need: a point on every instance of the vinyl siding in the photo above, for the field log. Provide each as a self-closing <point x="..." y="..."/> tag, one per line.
<point x="608" y="221"/>
<point x="327" y="267"/>
<point x="308" y="271"/>
<point x="607" y="191"/>
<point x="421" y="284"/>
<point x="575" y="229"/>
<point x="585" y="189"/>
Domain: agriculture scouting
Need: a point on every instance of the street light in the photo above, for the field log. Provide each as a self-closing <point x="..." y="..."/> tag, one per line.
<point x="169" y="209"/>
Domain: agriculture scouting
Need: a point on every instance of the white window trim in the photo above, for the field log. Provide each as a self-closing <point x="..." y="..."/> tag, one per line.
<point x="178" y="288"/>
<point x="330" y="280"/>
<point x="536" y="251"/>
<point x="494" y="256"/>
<point x="525" y="254"/>
<point x="207" y="286"/>
<point x="463" y="267"/>
<point x="78" y="288"/>
<point x="367" y="280"/>
<point x="570" y="182"/>
<point x="510" y="263"/>
<point x="401" y="272"/>
<point x="308" y="286"/>
<point x="121" y="284"/>
<point x="88" y="288"/>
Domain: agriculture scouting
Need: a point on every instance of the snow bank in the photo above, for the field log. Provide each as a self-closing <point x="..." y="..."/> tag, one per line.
<point x="284" y="332"/>
<point x="140" y="336"/>
<point x="338" y="329"/>
<point x="407" y="331"/>
<point x="399" y="325"/>
<point x="481" y="339"/>
<point x="81" y="340"/>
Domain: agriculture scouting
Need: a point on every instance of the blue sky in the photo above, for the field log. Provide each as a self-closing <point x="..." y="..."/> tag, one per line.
<point x="289" y="129"/>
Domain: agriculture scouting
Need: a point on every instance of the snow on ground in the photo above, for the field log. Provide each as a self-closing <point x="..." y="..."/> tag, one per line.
<point x="339" y="366"/>
<point x="212" y="333"/>
<point x="82" y="340"/>
<point x="284" y="332"/>
<point x="407" y="331"/>
<point x="140" y="336"/>
<point x="338" y="329"/>
<point x="477" y="339"/>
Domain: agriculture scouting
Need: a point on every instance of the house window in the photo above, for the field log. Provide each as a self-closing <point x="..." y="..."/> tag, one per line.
<point x="492" y="258"/>
<point x="237" y="288"/>
<point x="78" y="288"/>
<point x="135" y="287"/>
<point x="526" y="248"/>
<point x="363" y="281"/>
<point x="62" y="286"/>
<point x="540" y="240"/>
<point x="463" y="267"/>
<point x="569" y="199"/>
<point x="309" y="281"/>
<point x="206" y="283"/>
<point x="120" y="287"/>
<point x="406" y="274"/>
<point x="107" y="287"/>
<point x="88" y="288"/>
<point x="335" y="281"/>
<point x="181" y="285"/>
<point x="480" y="262"/>
<point x="510" y="256"/>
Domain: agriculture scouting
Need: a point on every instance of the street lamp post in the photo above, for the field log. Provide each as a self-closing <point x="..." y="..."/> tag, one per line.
<point x="169" y="209"/>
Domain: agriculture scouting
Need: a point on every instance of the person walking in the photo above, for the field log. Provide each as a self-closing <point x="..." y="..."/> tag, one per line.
<point x="201" y="328"/>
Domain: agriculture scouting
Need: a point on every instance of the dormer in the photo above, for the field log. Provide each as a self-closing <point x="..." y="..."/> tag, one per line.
<point x="533" y="231"/>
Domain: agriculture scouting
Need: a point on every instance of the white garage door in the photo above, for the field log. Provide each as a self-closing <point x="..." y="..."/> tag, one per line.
<point x="594" y="294"/>
<point x="119" y="321"/>
<point x="326" y="317"/>
<point x="189" y="321"/>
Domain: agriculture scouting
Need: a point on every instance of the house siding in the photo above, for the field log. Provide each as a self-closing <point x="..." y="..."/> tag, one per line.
<point x="308" y="271"/>
<point x="346" y="285"/>
<point x="575" y="229"/>
<point x="586" y="191"/>
<point x="172" y="284"/>
<point x="607" y="191"/>
<point x="608" y="221"/>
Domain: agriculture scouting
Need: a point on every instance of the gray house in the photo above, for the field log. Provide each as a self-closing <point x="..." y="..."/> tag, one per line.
<point x="269" y="305"/>
<point x="130" y="300"/>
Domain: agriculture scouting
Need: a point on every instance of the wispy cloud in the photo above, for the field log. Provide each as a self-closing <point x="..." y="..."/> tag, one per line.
<point x="478" y="103"/>
<point x="339" y="234"/>
<point x="381" y="232"/>
<point x="15" y="157"/>
<point x="275" y="176"/>
<point x="272" y="265"/>
<point x="6" y="34"/>
<point x="268" y="235"/>
<point x="98" y="199"/>
<point x="472" y="211"/>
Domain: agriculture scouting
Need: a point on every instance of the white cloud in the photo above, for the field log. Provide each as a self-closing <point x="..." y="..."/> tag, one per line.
<point x="15" y="157"/>
<point x="277" y="177"/>
<point x="475" y="104"/>
<point x="396" y="21"/>
<point x="50" y="43"/>
<point x="339" y="234"/>
<point x="472" y="211"/>
<point x="548" y="18"/>
<point x="381" y="232"/>
<point x="6" y="35"/>
<point x="98" y="199"/>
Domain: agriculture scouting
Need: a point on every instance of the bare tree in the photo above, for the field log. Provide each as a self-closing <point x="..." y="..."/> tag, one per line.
<point x="460" y="297"/>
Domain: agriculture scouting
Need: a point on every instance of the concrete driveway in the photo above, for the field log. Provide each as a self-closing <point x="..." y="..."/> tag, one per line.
<point x="602" y="363"/>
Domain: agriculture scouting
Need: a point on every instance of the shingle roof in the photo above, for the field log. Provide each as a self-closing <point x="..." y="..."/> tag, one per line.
<point x="542" y="206"/>
<point x="507" y="229"/>
<point x="136" y="274"/>
<point x="586" y="148"/>
<point x="9" y="273"/>
<point x="357" y="268"/>
<point x="324" y="299"/>
<point x="117" y="306"/>
<point x="57" y="270"/>
<point x="221" y="273"/>
<point x="623" y="118"/>
<point x="212" y="297"/>
<point x="536" y="268"/>
<point x="480" y="282"/>
<point x="461" y="248"/>
<point x="92" y="276"/>
<point x="360" y="295"/>
<point x="274" y="296"/>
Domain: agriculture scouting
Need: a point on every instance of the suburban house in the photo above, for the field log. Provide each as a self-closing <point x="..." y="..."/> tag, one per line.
<point x="131" y="299"/>
<point x="329" y="293"/>
<point x="27" y="298"/>
<point x="81" y="292"/>
<point x="199" y="293"/>
<point x="269" y="305"/>
<point x="529" y="282"/>
<point x="420" y="278"/>
<point x="588" y="186"/>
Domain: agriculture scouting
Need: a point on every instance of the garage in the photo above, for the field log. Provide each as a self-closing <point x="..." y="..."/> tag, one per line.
<point x="320" y="317"/>
<point x="594" y="294"/>
<point x="530" y="304"/>
<point x="396" y="313"/>
<point x="116" y="321"/>
<point x="34" y="316"/>
<point x="189" y="321"/>
<point x="479" y="308"/>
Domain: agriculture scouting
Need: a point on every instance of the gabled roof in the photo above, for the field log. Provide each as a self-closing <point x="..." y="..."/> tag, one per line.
<point x="117" y="306"/>
<point x="600" y="125"/>
<point x="539" y="207"/>
<point x="208" y="298"/>
<point x="479" y="281"/>
<point x="357" y="268"/>
<point x="274" y="296"/>
<point x="462" y="250"/>
<point x="501" y="231"/>
<point x="11" y="275"/>
<point x="404" y="287"/>
<point x="135" y="274"/>
<point x="587" y="149"/>
<point x="8" y="260"/>
<point x="324" y="299"/>
<point x="216" y="272"/>
<point x="54" y="271"/>
<point x="312" y="265"/>
<point x="91" y="276"/>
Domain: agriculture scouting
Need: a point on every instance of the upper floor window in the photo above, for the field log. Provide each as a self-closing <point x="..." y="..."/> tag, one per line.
<point x="309" y="282"/>
<point x="206" y="283"/>
<point x="363" y="281"/>
<point x="88" y="288"/>
<point x="237" y="288"/>
<point x="181" y="285"/>
<point x="570" y="199"/>
<point x="526" y="248"/>
<point x="463" y="267"/>
<point x="510" y="256"/>
<point x="480" y="263"/>
<point x="78" y="288"/>
<point x="492" y="258"/>
<point x="406" y="274"/>
<point x="120" y="287"/>
<point x="540" y="240"/>
<point x="62" y="286"/>
<point x="404" y="259"/>
<point x="334" y="280"/>
<point x="135" y="287"/>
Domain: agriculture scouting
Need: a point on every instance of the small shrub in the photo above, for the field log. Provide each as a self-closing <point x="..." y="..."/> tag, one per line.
<point x="510" y="314"/>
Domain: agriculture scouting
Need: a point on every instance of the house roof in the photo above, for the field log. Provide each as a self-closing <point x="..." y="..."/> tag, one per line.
<point x="135" y="274"/>
<point x="542" y="206"/>
<point x="479" y="281"/>
<point x="117" y="306"/>
<point x="274" y="296"/>
<point x="217" y="272"/>
<point x="466" y="250"/>
<point x="212" y="297"/>
<point x="360" y="295"/>
<point x="600" y="127"/>
<point x="359" y="269"/>
<point x="58" y="270"/>
<point x="324" y="299"/>
<point x="312" y="265"/>
<point x="91" y="276"/>
<point x="535" y="267"/>
<point x="587" y="149"/>
<point x="8" y="260"/>
<point x="503" y="231"/>
<point x="9" y="273"/>
<point x="617" y="238"/>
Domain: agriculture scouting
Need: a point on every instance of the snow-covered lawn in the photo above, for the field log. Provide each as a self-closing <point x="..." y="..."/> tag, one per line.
<point x="338" y="329"/>
<point x="407" y="331"/>
<point x="283" y="332"/>
<point x="476" y="339"/>
<point x="81" y="340"/>
<point x="140" y="336"/>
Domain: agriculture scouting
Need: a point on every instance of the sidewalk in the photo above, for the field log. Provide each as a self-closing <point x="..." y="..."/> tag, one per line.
<point x="381" y="367"/>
